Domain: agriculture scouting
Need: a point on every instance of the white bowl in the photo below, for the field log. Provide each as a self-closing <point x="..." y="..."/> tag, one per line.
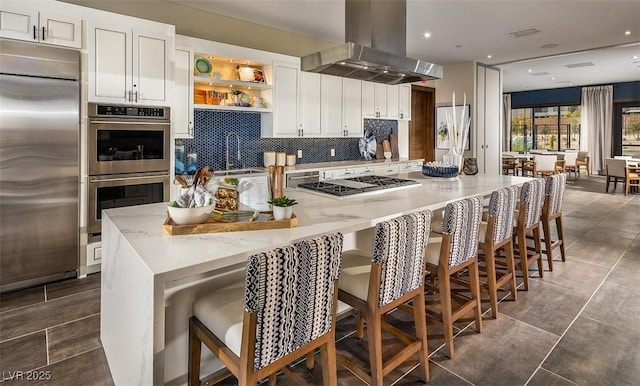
<point x="187" y="216"/>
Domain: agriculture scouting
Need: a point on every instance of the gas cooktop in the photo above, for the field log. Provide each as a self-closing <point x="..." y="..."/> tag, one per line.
<point x="357" y="185"/>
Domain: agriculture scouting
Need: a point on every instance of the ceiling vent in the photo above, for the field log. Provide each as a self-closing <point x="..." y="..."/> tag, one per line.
<point x="578" y="65"/>
<point x="375" y="51"/>
<point x="540" y="73"/>
<point x="524" y="32"/>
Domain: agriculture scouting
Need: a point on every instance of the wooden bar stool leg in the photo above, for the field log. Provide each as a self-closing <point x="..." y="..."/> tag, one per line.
<point x="474" y="279"/>
<point x="522" y="251"/>
<point x="491" y="281"/>
<point x="194" y="356"/>
<point x="560" y="236"/>
<point x="511" y="269"/>
<point x="421" y="333"/>
<point x="329" y="367"/>
<point x="538" y="249"/>
<point x="546" y="231"/>
<point x="445" y="304"/>
<point x="374" y="334"/>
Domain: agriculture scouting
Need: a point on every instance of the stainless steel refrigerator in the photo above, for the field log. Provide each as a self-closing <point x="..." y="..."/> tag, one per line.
<point x="39" y="164"/>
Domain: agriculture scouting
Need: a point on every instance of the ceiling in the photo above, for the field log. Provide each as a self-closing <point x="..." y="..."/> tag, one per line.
<point x="571" y="32"/>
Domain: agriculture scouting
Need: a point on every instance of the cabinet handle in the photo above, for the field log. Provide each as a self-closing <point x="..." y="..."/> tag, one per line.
<point x="129" y="99"/>
<point x="34" y="33"/>
<point x="190" y="129"/>
<point x="43" y="34"/>
<point x="401" y="115"/>
<point x="136" y="94"/>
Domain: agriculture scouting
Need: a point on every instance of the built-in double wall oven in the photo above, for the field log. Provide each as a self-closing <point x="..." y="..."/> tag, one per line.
<point x="129" y="158"/>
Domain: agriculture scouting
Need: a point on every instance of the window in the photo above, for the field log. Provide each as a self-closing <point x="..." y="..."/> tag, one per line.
<point x="550" y="127"/>
<point x="631" y="131"/>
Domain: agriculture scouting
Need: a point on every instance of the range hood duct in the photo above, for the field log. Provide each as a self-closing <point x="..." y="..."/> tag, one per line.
<point x="375" y="31"/>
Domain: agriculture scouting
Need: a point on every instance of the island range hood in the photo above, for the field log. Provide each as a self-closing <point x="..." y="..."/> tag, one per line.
<point x="375" y="31"/>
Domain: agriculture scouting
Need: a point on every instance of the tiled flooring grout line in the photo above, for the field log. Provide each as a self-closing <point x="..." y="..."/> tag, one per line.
<point x="575" y="318"/>
<point x="48" y="328"/>
<point x="46" y="344"/>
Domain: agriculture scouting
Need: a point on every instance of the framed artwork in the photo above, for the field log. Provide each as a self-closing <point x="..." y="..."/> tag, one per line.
<point x="442" y="131"/>
<point x="258" y="75"/>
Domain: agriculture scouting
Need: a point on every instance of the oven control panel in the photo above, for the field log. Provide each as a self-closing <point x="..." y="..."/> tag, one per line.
<point x="131" y="111"/>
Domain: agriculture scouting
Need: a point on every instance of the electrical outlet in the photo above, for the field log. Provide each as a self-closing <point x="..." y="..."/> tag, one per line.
<point x="299" y="153"/>
<point x="333" y="152"/>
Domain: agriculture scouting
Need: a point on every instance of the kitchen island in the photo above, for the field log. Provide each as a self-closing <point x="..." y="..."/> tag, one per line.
<point x="149" y="279"/>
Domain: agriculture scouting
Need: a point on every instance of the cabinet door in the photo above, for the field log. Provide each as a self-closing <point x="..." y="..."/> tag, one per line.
<point x="310" y="108"/>
<point x="151" y="68"/>
<point x="352" y="107"/>
<point x="331" y="106"/>
<point x="381" y="100"/>
<point x="404" y="102"/>
<point x="368" y="100"/>
<point x="60" y="30"/>
<point x="182" y="107"/>
<point x="285" y="99"/>
<point x="392" y="102"/>
<point x="109" y="64"/>
<point x="386" y="170"/>
<point x="20" y="24"/>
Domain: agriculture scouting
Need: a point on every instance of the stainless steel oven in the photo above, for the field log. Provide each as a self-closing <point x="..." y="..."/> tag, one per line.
<point x="129" y="159"/>
<point x="128" y="139"/>
<point x="115" y="191"/>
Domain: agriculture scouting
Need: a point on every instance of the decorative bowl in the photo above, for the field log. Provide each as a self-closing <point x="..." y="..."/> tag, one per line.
<point x="444" y="171"/>
<point x="187" y="216"/>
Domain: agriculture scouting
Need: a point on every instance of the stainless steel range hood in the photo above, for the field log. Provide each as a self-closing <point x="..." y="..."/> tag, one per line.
<point x="375" y="31"/>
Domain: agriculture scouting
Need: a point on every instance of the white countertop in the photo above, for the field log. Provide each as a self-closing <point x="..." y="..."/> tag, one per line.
<point x="179" y="256"/>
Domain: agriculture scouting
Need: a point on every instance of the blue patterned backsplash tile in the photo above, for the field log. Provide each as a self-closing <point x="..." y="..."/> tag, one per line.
<point x="211" y="129"/>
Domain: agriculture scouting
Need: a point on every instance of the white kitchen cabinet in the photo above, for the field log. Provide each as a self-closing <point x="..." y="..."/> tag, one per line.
<point x="285" y="102"/>
<point x="129" y="65"/>
<point x="29" y="24"/>
<point x="334" y="174"/>
<point x="386" y="170"/>
<point x="364" y="171"/>
<point x="375" y="102"/>
<point x="310" y="98"/>
<point x="331" y="106"/>
<point x="182" y="107"/>
<point x="393" y="108"/>
<point x="352" y="107"/>
<point x="404" y="102"/>
<point x="411" y="166"/>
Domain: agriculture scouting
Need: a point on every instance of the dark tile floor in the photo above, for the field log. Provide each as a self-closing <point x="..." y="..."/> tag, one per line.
<point x="578" y="325"/>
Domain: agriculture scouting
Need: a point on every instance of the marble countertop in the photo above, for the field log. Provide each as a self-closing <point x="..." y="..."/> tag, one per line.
<point x="175" y="257"/>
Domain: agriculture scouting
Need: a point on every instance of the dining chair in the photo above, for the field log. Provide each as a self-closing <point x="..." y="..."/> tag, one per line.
<point x="632" y="178"/>
<point x="382" y="280"/>
<point x="284" y="310"/>
<point x="552" y="212"/>
<point x="448" y="256"/>
<point x="495" y="235"/>
<point x="616" y="171"/>
<point x="583" y="160"/>
<point x="528" y="168"/>
<point x="546" y="164"/>
<point x="570" y="158"/>
<point x="527" y="221"/>
<point x="510" y="165"/>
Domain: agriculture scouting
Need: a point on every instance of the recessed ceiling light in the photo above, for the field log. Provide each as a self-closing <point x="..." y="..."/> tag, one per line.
<point x="552" y="78"/>
<point x="627" y="32"/>
<point x="458" y="45"/>
<point x="385" y="71"/>
<point x="427" y="35"/>
<point x="488" y="56"/>
<point x="634" y="57"/>
<point x="550" y="45"/>
<point x="529" y="70"/>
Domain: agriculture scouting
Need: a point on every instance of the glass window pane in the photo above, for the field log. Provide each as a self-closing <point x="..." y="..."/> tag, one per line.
<point x="631" y="131"/>
<point x="545" y="128"/>
<point x="569" y="127"/>
<point x="521" y="120"/>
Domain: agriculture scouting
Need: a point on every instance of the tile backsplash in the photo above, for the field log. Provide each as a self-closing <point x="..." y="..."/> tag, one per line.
<point x="212" y="127"/>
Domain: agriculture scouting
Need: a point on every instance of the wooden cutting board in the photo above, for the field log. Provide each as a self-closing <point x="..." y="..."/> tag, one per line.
<point x="379" y="151"/>
<point x="393" y="138"/>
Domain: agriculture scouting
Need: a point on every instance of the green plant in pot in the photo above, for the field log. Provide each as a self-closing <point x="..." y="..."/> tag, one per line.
<point x="282" y="207"/>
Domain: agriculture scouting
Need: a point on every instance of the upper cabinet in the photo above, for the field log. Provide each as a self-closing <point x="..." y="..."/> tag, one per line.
<point x="23" y="23"/>
<point x="310" y="95"/>
<point x="129" y="65"/>
<point x="386" y="101"/>
<point x="284" y="121"/>
<point x="182" y="107"/>
<point x="341" y="107"/>
<point x="404" y="102"/>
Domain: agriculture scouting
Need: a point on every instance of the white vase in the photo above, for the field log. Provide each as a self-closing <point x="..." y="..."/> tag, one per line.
<point x="282" y="212"/>
<point x="453" y="158"/>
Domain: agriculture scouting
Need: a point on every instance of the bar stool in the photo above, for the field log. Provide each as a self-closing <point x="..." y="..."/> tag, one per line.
<point x="455" y="251"/>
<point x="496" y="234"/>
<point x="527" y="219"/>
<point x="289" y="299"/>
<point x="377" y="283"/>
<point x="552" y="210"/>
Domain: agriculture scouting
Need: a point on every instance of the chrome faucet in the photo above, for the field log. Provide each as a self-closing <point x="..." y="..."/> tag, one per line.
<point x="239" y="157"/>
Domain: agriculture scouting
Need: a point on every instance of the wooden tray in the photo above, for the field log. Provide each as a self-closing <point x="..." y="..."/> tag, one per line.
<point x="214" y="225"/>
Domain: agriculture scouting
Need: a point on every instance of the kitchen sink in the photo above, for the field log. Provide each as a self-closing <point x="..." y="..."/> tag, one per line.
<point x="237" y="172"/>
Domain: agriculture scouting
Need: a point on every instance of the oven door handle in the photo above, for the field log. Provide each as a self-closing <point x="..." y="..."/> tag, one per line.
<point x="127" y="178"/>
<point x="128" y="122"/>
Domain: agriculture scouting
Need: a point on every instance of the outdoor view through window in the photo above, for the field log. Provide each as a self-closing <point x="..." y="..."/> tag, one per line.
<point x="631" y="131"/>
<point x="552" y="127"/>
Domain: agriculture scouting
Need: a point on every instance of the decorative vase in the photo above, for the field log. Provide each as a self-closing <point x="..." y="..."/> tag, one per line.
<point x="282" y="212"/>
<point x="236" y="100"/>
<point x="470" y="166"/>
<point x="453" y="158"/>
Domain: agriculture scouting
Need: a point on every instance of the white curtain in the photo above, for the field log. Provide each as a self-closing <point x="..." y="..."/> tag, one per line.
<point x="596" y="124"/>
<point x="506" y="121"/>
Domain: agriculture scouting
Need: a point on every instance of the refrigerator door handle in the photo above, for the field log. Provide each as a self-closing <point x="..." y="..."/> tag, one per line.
<point x="43" y="35"/>
<point x="35" y="31"/>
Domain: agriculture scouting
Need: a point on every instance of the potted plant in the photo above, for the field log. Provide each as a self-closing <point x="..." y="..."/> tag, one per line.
<point x="282" y="207"/>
